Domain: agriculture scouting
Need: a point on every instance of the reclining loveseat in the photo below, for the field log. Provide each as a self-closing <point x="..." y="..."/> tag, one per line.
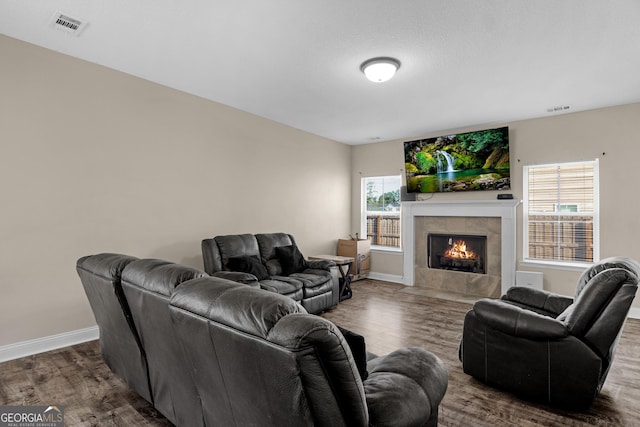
<point x="273" y="262"/>
<point x="208" y="351"/>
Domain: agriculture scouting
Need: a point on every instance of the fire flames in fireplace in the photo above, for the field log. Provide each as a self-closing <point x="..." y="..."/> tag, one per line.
<point x="459" y="250"/>
<point x="466" y="253"/>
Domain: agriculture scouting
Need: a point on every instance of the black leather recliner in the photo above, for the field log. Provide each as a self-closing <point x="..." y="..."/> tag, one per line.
<point x="547" y="347"/>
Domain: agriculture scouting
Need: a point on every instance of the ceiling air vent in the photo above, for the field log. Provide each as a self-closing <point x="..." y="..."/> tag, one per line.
<point x="558" y="108"/>
<point x="67" y="24"/>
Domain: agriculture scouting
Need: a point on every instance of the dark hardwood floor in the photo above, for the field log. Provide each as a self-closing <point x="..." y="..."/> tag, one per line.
<point x="76" y="378"/>
<point x="388" y="317"/>
<point x="391" y="316"/>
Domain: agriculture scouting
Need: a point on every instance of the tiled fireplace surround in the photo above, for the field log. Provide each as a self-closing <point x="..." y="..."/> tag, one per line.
<point x="494" y="218"/>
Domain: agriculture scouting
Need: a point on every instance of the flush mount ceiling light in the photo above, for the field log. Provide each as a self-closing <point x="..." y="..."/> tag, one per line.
<point x="380" y="70"/>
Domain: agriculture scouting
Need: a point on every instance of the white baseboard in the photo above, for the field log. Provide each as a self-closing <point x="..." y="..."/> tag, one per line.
<point x="634" y="313"/>
<point x="386" y="277"/>
<point x="53" y="342"/>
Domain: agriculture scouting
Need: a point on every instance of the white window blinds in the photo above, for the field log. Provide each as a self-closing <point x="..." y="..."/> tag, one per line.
<point x="561" y="211"/>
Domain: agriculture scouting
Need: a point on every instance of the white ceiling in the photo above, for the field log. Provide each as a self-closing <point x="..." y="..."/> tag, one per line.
<point x="465" y="63"/>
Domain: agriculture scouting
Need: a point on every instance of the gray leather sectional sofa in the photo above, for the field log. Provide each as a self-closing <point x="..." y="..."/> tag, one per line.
<point x="272" y="261"/>
<point x="207" y="351"/>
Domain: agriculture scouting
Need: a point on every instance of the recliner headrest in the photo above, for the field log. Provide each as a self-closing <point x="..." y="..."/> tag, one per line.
<point x="106" y="265"/>
<point x="158" y="276"/>
<point x="251" y="310"/>
<point x="268" y="242"/>
<point x="236" y="245"/>
<point x="613" y="262"/>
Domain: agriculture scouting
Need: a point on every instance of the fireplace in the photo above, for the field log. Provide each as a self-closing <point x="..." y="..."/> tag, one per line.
<point x="495" y="219"/>
<point x="457" y="252"/>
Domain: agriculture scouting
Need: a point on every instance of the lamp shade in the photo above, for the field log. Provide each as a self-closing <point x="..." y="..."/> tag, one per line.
<point x="380" y="70"/>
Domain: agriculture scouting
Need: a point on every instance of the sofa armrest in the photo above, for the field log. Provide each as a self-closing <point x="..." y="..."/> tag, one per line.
<point x="320" y="264"/>
<point x="405" y="388"/>
<point x="335" y="280"/>
<point x="518" y="322"/>
<point x="237" y="276"/>
<point x="536" y="298"/>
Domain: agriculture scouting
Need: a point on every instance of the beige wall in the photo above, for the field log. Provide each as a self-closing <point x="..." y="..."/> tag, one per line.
<point x="611" y="134"/>
<point x="93" y="160"/>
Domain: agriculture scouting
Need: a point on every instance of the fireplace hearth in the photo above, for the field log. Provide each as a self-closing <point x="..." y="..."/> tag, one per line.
<point x="466" y="253"/>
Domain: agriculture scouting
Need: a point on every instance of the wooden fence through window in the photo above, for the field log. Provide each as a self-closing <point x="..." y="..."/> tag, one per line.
<point x="384" y="229"/>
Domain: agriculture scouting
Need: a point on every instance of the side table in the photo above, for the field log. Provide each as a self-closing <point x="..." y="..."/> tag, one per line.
<point x="345" y="278"/>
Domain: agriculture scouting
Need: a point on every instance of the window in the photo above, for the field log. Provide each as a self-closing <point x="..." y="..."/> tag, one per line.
<point x="561" y="213"/>
<point x="381" y="210"/>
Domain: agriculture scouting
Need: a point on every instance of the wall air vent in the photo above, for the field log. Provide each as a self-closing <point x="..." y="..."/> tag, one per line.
<point x="67" y="24"/>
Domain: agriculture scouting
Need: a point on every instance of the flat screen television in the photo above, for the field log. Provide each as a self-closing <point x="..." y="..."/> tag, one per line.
<point x="460" y="162"/>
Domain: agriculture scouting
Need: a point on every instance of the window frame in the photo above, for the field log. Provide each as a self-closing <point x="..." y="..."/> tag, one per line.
<point x="364" y="213"/>
<point x="595" y="217"/>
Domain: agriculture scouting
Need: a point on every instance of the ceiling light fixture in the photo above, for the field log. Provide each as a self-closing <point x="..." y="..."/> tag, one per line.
<point x="380" y="70"/>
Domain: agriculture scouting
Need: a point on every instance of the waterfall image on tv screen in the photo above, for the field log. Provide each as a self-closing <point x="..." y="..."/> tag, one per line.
<point x="459" y="162"/>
